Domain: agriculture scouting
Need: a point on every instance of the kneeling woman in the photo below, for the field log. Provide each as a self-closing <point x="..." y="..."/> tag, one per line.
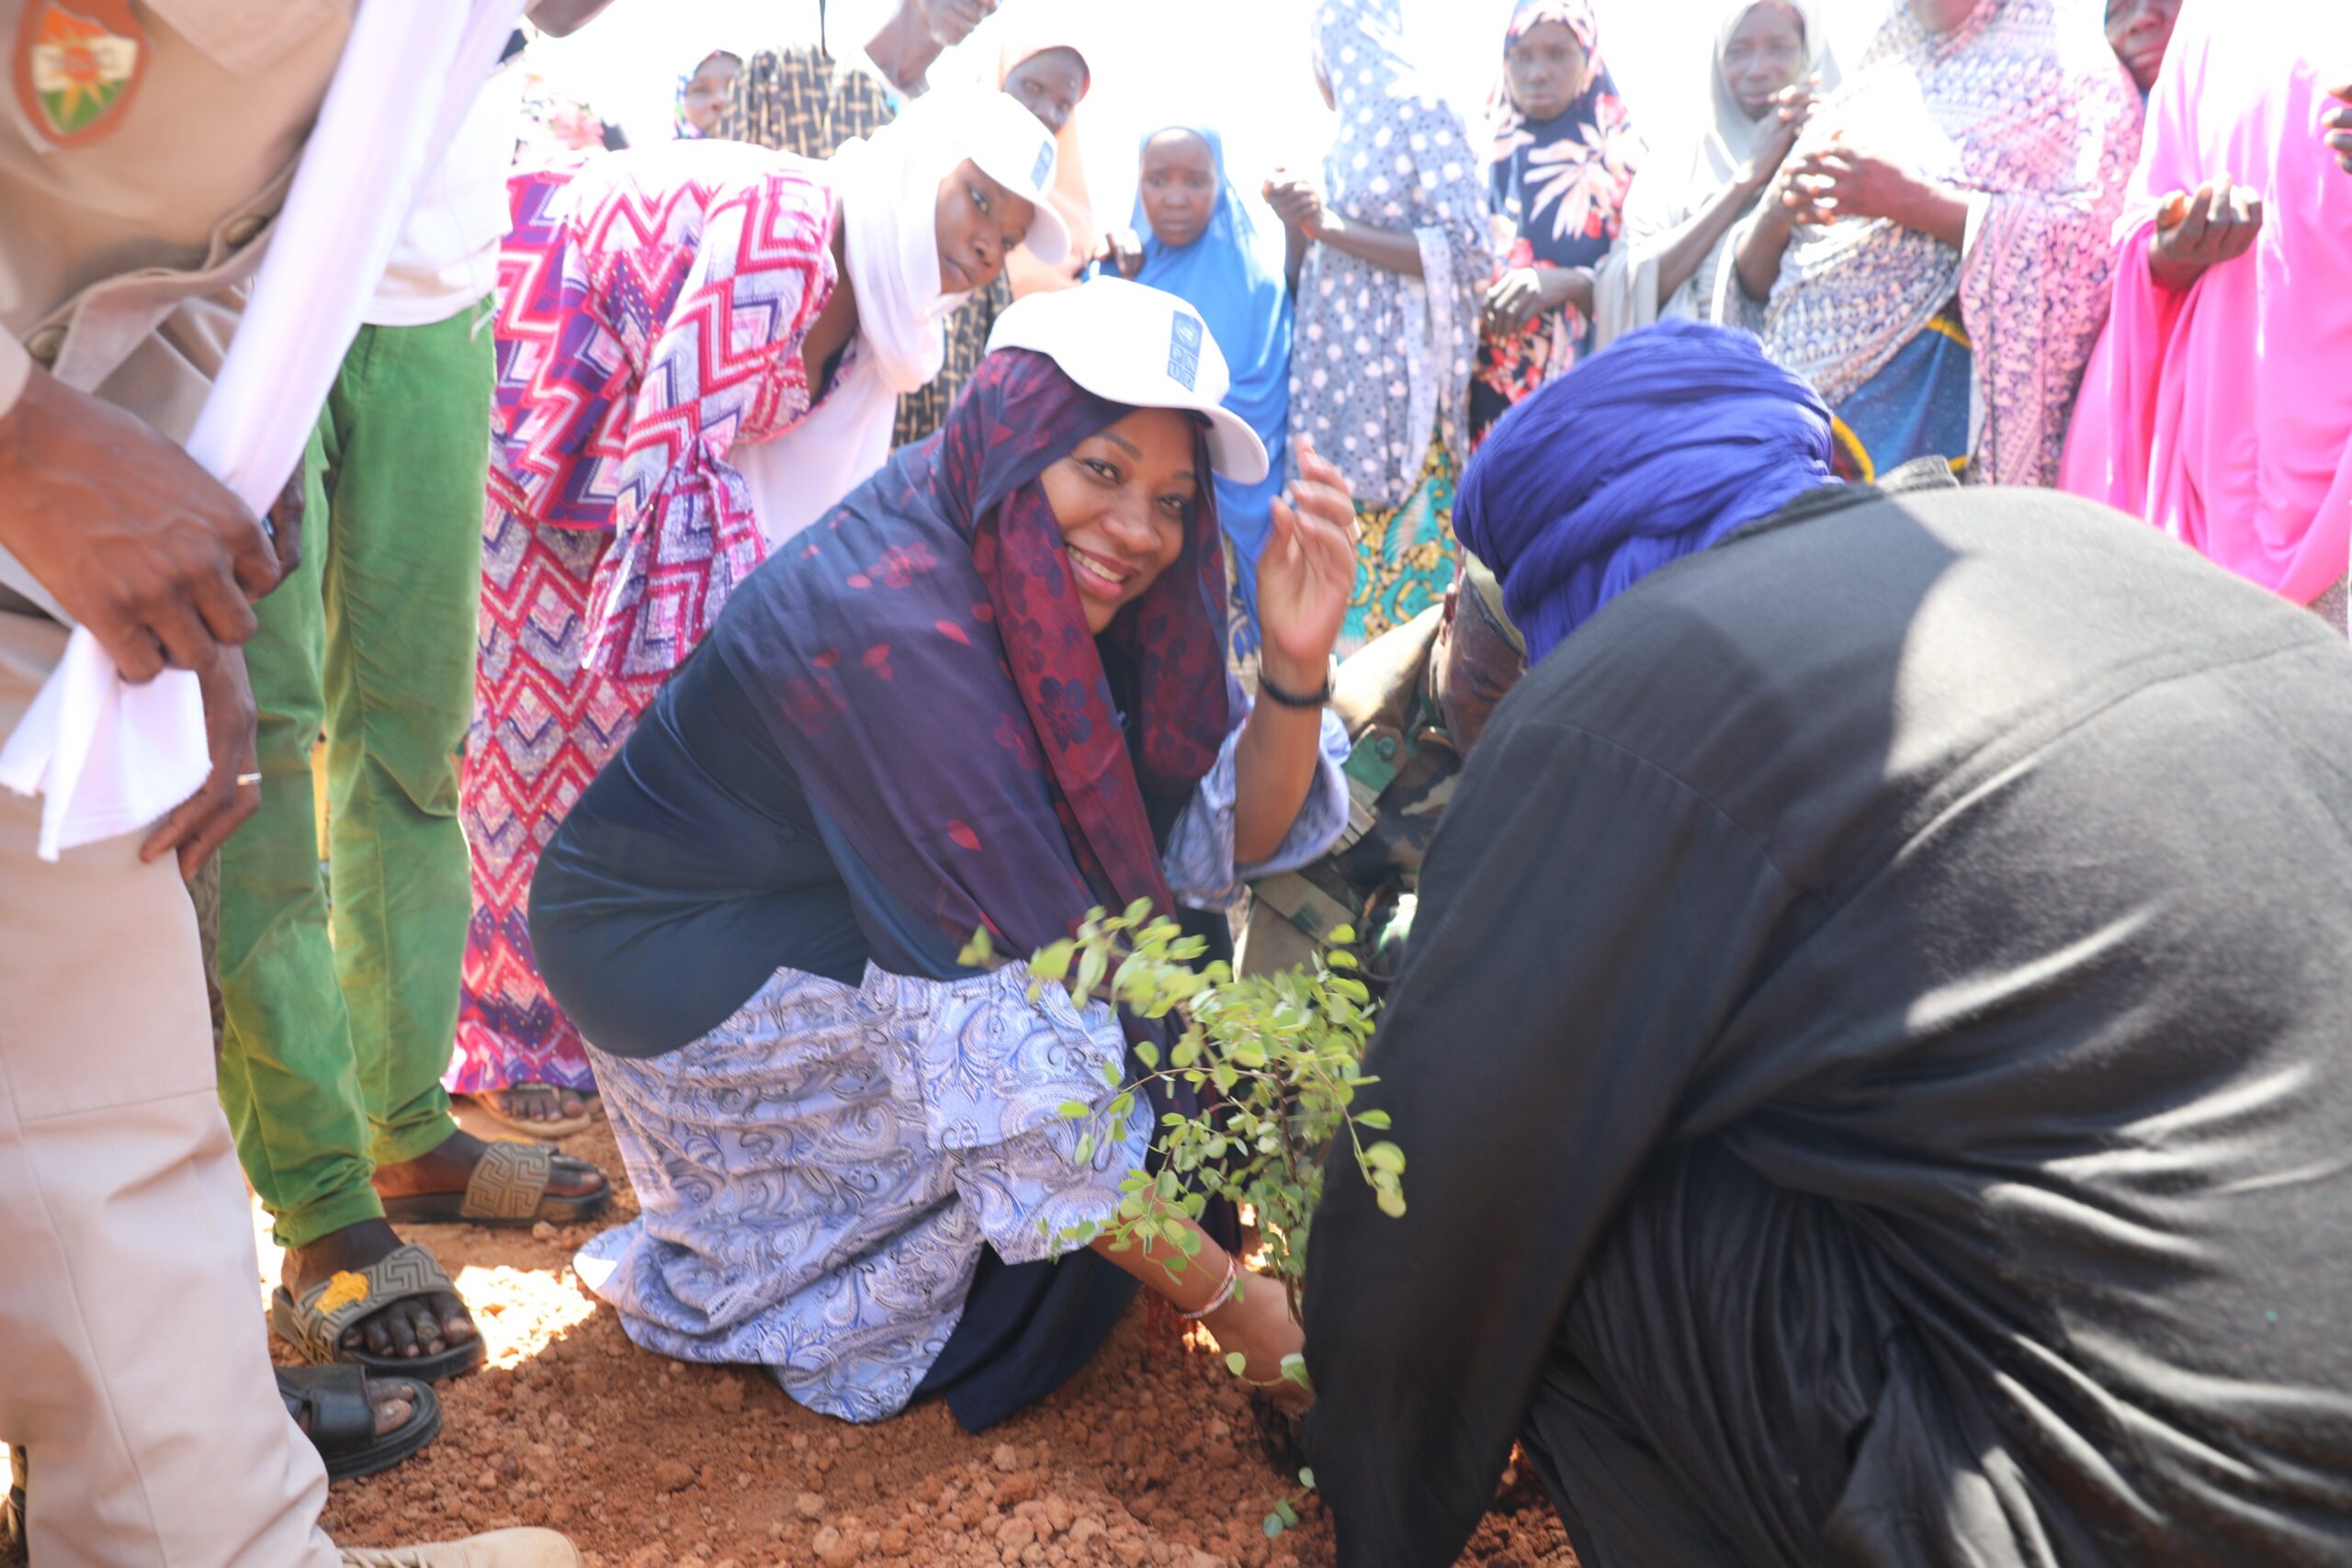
<point x="986" y="691"/>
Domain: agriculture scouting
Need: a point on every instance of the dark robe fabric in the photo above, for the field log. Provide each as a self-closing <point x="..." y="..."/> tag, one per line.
<point x="1875" y="1070"/>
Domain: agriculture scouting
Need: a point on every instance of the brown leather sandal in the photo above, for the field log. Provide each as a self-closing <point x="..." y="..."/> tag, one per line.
<point x="509" y="1187"/>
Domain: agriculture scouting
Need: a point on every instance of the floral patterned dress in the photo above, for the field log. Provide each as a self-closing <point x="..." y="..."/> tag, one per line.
<point x="614" y="527"/>
<point x="1556" y="189"/>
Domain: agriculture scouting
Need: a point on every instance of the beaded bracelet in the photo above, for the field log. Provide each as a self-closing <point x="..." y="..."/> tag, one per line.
<point x="1224" y="1291"/>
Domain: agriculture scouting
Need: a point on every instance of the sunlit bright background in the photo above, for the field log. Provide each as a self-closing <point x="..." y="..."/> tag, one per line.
<point x="1240" y="64"/>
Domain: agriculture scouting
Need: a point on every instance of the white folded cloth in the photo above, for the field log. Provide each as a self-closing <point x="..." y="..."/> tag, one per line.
<point x="107" y="757"/>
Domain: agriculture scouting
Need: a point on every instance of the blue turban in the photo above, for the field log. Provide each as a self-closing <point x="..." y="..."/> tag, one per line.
<point x="1648" y="451"/>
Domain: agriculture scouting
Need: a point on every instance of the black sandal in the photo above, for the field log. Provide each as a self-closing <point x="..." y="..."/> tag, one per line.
<point x="341" y="1413"/>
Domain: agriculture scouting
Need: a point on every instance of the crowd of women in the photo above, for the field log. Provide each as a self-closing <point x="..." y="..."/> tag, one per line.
<point x="877" y="549"/>
<point x="1870" y="1035"/>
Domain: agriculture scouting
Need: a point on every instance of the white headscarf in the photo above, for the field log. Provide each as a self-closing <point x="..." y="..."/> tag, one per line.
<point x="889" y="187"/>
<point x="1670" y="189"/>
<point x="1728" y="141"/>
<point x="1020" y="33"/>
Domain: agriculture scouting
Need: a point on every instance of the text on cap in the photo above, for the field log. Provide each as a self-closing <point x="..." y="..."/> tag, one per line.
<point x="1184" y="350"/>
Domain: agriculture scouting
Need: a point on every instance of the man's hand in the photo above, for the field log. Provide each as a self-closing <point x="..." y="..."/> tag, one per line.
<point x="137" y="542"/>
<point x="2336" y="123"/>
<point x="2217" y="222"/>
<point x="202" y="822"/>
<point x="286" y="525"/>
<point x="1297" y="200"/>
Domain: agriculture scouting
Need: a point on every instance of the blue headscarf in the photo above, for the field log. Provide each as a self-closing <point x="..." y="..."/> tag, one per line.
<point x="1649" y="451"/>
<point x="1233" y="275"/>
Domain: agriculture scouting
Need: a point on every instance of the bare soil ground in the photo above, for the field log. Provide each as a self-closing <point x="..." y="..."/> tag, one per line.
<point x="1149" y="1457"/>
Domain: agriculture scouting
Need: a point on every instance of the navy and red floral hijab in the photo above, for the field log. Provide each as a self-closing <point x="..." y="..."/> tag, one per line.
<point x="1557" y="191"/>
<point x="936" y="689"/>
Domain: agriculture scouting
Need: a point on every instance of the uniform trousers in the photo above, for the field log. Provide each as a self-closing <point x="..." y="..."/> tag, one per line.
<point x="133" y="1363"/>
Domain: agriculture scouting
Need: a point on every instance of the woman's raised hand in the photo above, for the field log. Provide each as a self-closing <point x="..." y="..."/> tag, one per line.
<point x="1785" y="118"/>
<point x="2216" y="223"/>
<point x="1308" y="573"/>
<point x="2335" y="126"/>
<point x="1297" y="200"/>
<point x="1122" y="248"/>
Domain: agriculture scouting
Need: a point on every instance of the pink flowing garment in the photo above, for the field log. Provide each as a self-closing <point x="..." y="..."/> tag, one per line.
<point x="2223" y="414"/>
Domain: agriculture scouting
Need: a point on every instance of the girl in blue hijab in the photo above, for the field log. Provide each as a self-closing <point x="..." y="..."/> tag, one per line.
<point x="1193" y="235"/>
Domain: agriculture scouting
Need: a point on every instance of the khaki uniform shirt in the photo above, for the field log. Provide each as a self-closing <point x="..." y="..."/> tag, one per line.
<point x="121" y="261"/>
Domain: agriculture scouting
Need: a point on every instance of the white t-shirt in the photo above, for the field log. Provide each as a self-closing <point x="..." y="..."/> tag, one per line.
<point x="447" y="258"/>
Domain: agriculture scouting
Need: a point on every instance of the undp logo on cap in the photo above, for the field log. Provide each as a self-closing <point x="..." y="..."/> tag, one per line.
<point x="1184" y="350"/>
<point x="1044" y="166"/>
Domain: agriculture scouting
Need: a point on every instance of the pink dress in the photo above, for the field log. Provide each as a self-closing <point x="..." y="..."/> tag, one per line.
<point x="2223" y="414"/>
<point x="653" y="308"/>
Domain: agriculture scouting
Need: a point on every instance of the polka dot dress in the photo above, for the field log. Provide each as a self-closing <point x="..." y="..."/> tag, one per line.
<point x="1381" y="360"/>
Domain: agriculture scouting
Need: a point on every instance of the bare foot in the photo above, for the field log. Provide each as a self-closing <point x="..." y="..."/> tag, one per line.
<point x="536" y="1102"/>
<point x="450" y="1167"/>
<point x="393" y="1407"/>
<point x="415" y="1325"/>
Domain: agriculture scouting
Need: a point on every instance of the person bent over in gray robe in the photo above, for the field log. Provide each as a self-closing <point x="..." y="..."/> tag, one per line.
<point x="1873" y="1056"/>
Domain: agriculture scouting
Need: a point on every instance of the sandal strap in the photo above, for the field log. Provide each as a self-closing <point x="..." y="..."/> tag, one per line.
<point x="508" y="1181"/>
<point x="334" y="1394"/>
<point x="401" y="1274"/>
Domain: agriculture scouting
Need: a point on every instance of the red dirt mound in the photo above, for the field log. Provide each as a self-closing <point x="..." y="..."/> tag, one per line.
<point x="1149" y="1457"/>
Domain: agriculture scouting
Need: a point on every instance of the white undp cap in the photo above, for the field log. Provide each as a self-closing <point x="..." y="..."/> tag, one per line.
<point x="1141" y="346"/>
<point x="1014" y="148"/>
